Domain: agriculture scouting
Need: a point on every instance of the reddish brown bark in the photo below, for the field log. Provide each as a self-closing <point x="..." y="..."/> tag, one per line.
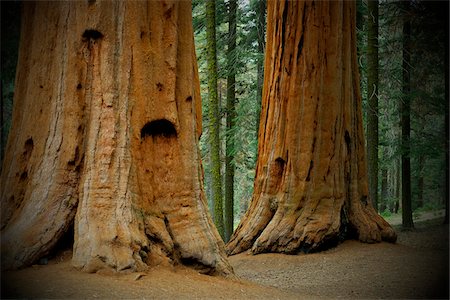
<point x="105" y="135"/>
<point x="311" y="180"/>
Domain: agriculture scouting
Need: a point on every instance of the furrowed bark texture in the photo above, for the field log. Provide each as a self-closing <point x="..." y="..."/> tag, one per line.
<point x="311" y="181"/>
<point x="105" y="135"/>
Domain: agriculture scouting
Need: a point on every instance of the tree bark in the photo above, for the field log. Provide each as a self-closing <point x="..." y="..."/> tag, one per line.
<point x="405" y="112"/>
<point x="2" y="122"/>
<point x="231" y="113"/>
<point x="214" y="116"/>
<point x="446" y="122"/>
<point x="398" y="186"/>
<point x="384" y="189"/>
<point x="421" y="180"/>
<point x="105" y="135"/>
<point x="311" y="182"/>
<point x="372" y="97"/>
<point x="260" y="29"/>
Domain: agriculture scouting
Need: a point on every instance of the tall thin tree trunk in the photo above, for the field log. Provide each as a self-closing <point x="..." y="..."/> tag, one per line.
<point x="398" y="186"/>
<point x="2" y="124"/>
<point x="260" y="29"/>
<point x="107" y="118"/>
<point x="384" y="188"/>
<point x="420" y="181"/>
<point x="214" y="115"/>
<point x="231" y="99"/>
<point x="372" y="97"/>
<point x="405" y="112"/>
<point x="311" y="183"/>
<point x="447" y="125"/>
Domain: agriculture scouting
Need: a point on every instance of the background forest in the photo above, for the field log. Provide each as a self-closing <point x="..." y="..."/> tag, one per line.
<point x="411" y="82"/>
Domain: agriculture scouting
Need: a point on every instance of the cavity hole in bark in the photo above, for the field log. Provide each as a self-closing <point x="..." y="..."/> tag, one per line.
<point x="29" y="144"/>
<point x="347" y="139"/>
<point x="161" y="127"/>
<point x="364" y="199"/>
<point x="168" y="13"/>
<point x="75" y="157"/>
<point x="92" y="34"/>
<point x="279" y="167"/>
<point x="197" y="265"/>
<point x="276" y="169"/>
<point x="28" y="148"/>
<point x="23" y="176"/>
<point x="159" y="86"/>
<point x="90" y="2"/>
<point x="300" y="48"/>
<point x="64" y="245"/>
<point x="79" y="86"/>
<point x="189" y="99"/>
<point x="311" y="165"/>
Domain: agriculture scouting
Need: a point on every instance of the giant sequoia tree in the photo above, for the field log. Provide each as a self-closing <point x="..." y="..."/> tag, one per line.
<point x="105" y="136"/>
<point x="311" y="181"/>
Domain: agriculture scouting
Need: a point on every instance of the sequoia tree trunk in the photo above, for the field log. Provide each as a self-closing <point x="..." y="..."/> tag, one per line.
<point x="311" y="181"/>
<point x="105" y="134"/>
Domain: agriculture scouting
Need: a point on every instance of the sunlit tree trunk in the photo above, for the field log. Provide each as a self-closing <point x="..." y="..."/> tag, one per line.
<point x="311" y="186"/>
<point x="105" y="134"/>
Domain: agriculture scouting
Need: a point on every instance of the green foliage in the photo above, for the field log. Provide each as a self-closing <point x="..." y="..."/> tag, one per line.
<point x="244" y="59"/>
<point x="428" y="104"/>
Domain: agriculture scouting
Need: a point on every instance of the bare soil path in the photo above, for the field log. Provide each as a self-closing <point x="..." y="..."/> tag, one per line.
<point x="416" y="267"/>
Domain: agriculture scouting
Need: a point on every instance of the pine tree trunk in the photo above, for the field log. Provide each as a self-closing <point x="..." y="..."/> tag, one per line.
<point x="446" y="123"/>
<point x="105" y="135"/>
<point x="398" y="187"/>
<point x="405" y="112"/>
<point x="311" y="183"/>
<point x="260" y="29"/>
<point x="384" y="189"/>
<point x="2" y="123"/>
<point x="231" y="112"/>
<point x="214" y="116"/>
<point x="372" y="96"/>
<point x="421" y="180"/>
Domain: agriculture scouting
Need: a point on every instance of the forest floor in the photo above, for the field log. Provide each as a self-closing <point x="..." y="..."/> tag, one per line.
<point x="417" y="266"/>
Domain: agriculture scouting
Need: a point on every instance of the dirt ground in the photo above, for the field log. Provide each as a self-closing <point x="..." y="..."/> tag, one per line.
<point x="416" y="267"/>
